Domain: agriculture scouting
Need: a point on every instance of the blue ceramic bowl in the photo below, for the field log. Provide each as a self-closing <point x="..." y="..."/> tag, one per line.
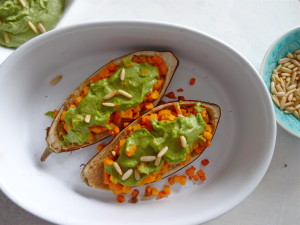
<point x="288" y="42"/>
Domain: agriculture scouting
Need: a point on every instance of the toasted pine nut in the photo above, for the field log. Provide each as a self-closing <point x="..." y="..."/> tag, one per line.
<point x="163" y="151"/>
<point x="127" y="174"/>
<point x="183" y="141"/>
<point x="148" y="158"/>
<point x="109" y="104"/>
<point x="122" y="74"/>
<point x="110" y="95"/>
<point x="87" y="118"/>
<point x="124" y="93"/>
<point x="118" y="168"/>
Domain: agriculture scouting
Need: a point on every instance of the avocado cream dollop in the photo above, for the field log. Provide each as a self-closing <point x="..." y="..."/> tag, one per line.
<point x="165" y="133"/>
<point x="19" y="20"/>
<point x="139" y="80"/>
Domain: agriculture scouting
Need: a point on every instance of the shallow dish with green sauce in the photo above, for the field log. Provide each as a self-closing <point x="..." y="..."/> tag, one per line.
<point x="111" y="98"/>
<point x="22" y="20"/>
<point x="158" y="144"/>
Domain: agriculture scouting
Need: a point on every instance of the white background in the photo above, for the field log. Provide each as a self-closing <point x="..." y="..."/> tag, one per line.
<point x="249" y="26"/>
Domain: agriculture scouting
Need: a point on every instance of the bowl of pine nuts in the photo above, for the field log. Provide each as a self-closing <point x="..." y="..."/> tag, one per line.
<point x="281" y="73"/>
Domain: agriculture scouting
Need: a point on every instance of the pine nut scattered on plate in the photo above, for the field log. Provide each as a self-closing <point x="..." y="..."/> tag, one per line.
<point x="285" y="84"/>
<point x="55" y="80"/>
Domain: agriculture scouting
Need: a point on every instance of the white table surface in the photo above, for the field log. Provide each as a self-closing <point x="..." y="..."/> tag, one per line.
<point x="249" y="26"/>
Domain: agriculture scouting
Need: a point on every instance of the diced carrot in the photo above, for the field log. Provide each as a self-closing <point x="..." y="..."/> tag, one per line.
<point x="139" y="59"/>
<point x="171" y="95"/>
<point x="153" y="95"/>
<point x="196" y="146"/>
<point x="204" y="162"/>
<point x="162" y="114"/>
<point x="190" y="172"/>
<point x="130" y="151"/>
<point x="97" y="129"/>
<point x="148" y="191"/>
<point x="201" y="175"/>
<point x="154" y="192"/>
<point x="199" y="150"/>
<point x="167" y="189"/>
<point x="146" y="120"/>
<point x="163" y="69"/>
<point x="148" y="105"/>
<point x="126" y="114"/>
<point x="72" y="106"/>
<point x="180" y="90"/>
<point x="147" y="180"/>
<point x="159" y="83"/>
<point x="106" y="72"/>
<point x="148" y="188"/>
<point x="164" y="168"/>
<point x="162" y="194"/>
<point x="192" y="81"/>
<point x="136" y="109"/>
<point x="135" y="193"/>
<point x="120" y="198"/>
<point x="207" y="135"/>
<point x="114" y="131"/>
<point x="108" y="161"/>
<point x="126" y="189"/>
<point x="136" y="115"/>
<point x="156" y="59"/>
<point x="77" y="100"/>
<point x="125" y="124"/>
<point x="111" y="66"/>
<point x="195" y="177"/>
<point x="171" y="180"/>
<point x="100" y="147"/>
<point x="208" y="128"/>
<point x="177" y="109"/>
<point x="136" y="127"/>
<point x="116" y="118"/>
<point x="177" y="178"/>
<point x="182" y="180"/>
<point x="181" y="98"/>
<point x="158" y="177"/>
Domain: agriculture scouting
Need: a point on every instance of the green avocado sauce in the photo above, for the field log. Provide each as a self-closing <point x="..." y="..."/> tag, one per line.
<point x="165" y="133"/>
<point x="139" y="80"/>
<point x="14" y="19"/>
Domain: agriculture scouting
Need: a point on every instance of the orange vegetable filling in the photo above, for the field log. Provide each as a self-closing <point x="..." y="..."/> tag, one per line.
<point x="171" y="95"/>
<point x="192" y="81"/>
<point x="120" y="198"/>
<point x="166" y="114"/>
<point x="204" y="162"/>
<point x="118" y="119"/>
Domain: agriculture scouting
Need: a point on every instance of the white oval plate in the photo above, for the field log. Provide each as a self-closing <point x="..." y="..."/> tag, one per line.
<point x="239" y="156"/>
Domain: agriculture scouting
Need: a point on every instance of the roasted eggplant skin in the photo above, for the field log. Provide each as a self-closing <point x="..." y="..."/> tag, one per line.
<point x="93" y="172"/>
<point x="53" y="133"/>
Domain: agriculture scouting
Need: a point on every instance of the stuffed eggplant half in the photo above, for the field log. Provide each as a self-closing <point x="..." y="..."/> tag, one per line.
<point x="154" y="146"/>
<point x="110" y="99"/>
